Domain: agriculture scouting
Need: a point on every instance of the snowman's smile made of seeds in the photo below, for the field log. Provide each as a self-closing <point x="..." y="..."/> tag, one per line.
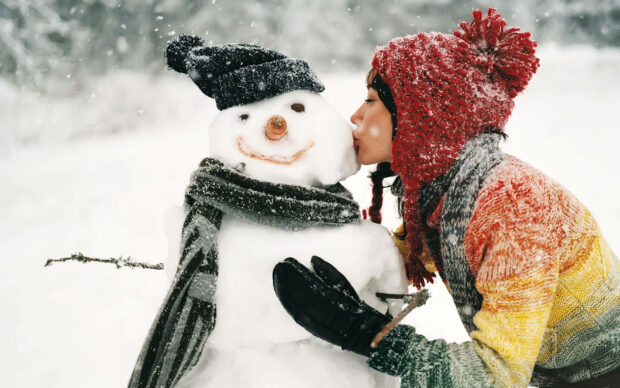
<point x="278" y="159"/>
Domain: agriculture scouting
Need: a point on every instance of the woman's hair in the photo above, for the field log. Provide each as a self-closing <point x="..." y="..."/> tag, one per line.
<point x="374" y="80"/>
<point x="384" y="170"/>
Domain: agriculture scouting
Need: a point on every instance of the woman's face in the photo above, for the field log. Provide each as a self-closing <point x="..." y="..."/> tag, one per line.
<point x="372" y="137"/>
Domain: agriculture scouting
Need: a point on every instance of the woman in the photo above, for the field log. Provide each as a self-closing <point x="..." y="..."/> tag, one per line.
<point x="535" y="283"/>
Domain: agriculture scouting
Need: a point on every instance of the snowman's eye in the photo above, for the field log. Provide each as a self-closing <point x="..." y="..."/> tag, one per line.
<point x="297" y="107"/>
<point x="244" y="116"/>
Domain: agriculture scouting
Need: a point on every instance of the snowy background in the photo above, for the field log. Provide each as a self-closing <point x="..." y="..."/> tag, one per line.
<point x="90" y="161"/>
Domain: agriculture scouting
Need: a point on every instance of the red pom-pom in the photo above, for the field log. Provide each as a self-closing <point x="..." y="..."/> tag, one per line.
<point x="506" y="54"/>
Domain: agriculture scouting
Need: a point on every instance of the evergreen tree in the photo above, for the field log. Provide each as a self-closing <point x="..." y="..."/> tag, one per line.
<point x="46" y="40"/>
<point x="34" y="41"/>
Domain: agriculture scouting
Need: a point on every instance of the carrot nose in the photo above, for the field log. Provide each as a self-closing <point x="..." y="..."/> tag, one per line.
<point x="275" y="128"/>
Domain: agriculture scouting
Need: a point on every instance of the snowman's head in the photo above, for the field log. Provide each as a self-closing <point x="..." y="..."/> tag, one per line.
<point x="294" y="138"/>
<point x="273" y="124"/>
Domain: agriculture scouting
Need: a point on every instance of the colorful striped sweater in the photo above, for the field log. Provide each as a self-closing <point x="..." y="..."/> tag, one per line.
<point x="550" y="288"/>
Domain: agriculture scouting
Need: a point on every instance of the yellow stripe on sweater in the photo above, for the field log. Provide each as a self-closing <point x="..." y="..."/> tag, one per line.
<point x="580" y="283"/>
<point x="509" y="341"/>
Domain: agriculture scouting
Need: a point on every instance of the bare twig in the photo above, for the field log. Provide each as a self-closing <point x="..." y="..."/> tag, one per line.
<point x="120" y="262"/>
<point x="405" y="297"/>
<point x="415" y="300"/>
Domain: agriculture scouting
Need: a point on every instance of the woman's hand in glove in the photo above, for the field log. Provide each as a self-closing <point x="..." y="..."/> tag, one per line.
<point x="325" y="304"/>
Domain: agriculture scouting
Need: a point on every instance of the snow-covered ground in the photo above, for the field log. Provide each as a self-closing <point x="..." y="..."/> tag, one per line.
<point x="95" y="174"/>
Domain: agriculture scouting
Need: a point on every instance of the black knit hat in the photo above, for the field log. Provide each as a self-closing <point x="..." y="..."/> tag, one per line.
<point x="238" y="74"/>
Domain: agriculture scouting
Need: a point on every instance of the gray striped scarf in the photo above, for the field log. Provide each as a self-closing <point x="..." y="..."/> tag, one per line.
<point x="187" y="316"/>
<point x="461" y="184"/>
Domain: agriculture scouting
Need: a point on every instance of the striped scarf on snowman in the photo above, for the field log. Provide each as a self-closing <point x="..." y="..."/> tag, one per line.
<point x="188" y="315"/>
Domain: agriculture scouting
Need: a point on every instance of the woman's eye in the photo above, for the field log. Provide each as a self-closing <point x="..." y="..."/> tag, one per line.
<point x="297" y="107"/>
<point x="369" y="100"/>
<point x="244" y="116"/>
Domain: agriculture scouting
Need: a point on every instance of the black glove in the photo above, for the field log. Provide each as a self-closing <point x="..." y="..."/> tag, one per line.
<point x="325" y="304"/>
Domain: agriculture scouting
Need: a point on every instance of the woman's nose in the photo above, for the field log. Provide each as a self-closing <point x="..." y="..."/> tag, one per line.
<point x="356" y="117"/>
<point x="275" y="129"/>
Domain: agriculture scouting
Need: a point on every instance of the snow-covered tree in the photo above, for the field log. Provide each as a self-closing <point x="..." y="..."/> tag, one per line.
<point x="34" y="41"/>
<point x="42" y="41"/>
<point x="595" y="21"/>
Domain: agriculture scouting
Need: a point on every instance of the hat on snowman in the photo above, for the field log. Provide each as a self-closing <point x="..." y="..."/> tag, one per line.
<point x="238" y="74"/>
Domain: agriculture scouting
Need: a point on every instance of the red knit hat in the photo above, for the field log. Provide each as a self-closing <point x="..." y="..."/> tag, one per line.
<point x="447" y="89"/>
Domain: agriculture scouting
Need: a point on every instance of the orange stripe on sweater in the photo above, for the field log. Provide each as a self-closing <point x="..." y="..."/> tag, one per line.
<point x="517" y="220"/>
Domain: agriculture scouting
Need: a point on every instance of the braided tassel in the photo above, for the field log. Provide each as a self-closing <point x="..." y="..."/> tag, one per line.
<point x="417" y="274"/>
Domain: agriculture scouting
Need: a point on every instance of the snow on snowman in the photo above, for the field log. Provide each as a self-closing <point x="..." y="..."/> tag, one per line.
<point x="269" y="190"/>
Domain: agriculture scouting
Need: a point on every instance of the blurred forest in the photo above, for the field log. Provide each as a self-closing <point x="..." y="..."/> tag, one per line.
<point x="42" y="41"/>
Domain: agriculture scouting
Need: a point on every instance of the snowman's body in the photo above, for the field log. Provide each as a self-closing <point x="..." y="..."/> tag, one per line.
<point x="255" y="343"/>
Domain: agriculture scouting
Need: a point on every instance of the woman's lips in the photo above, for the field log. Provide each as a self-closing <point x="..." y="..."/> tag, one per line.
<point x="244" y="149"/>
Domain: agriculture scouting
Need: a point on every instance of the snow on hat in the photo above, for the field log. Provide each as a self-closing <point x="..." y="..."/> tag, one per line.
<point x="448" y="89"/>
<point x="238" y="74"/>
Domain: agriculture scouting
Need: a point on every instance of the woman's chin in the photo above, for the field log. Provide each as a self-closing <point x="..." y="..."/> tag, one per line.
<point x="362" y="160"/>
<point x="366" y="160"/>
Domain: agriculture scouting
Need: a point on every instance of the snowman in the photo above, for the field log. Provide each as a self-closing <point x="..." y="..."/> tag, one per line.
<point x="269" y="190"/>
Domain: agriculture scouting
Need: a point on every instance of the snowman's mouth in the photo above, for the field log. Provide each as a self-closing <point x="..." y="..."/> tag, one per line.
<point x="278" y="159"/>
